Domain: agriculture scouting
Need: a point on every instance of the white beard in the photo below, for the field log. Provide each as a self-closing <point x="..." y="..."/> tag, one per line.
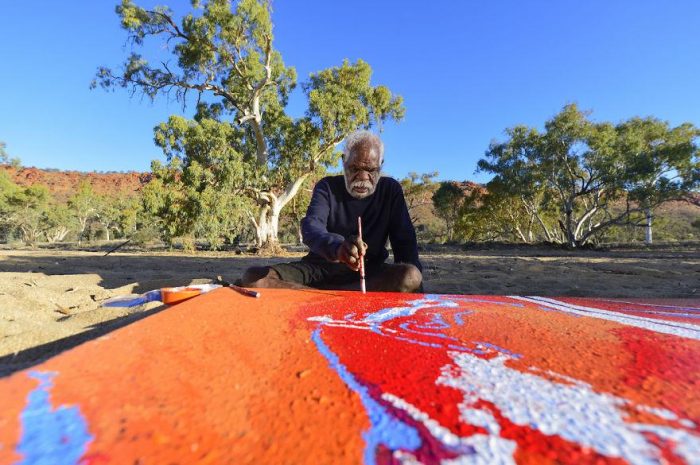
<point x="361" y="184"/>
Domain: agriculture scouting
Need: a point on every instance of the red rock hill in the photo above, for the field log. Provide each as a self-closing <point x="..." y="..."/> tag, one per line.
<point x="63" y="184"/>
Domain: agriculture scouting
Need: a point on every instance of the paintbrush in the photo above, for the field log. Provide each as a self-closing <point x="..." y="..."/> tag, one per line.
<point x="362" y="257"/>
<point x="239" y="289"/>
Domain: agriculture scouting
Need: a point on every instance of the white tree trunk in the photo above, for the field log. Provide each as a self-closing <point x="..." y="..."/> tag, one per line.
<point x="531" y="209"/>
<point x="648" y="235"/>
<point x="267" y="223"/>
<point x="520" y="234"/>
<point x="30" y="234"/>
<point x="267" y="228"/>
<point x="57" y="234"/>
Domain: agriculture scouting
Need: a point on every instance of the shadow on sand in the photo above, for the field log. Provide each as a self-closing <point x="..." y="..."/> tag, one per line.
<point x="144" y="272"/>
<point x="12" y="363"/>
<point x="148" y="271"/>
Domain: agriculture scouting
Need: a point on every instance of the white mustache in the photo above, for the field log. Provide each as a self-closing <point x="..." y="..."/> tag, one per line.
<point x="361" y="185"/>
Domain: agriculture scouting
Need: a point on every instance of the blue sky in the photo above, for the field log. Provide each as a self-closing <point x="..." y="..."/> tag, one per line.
<point x="466" y="69"/>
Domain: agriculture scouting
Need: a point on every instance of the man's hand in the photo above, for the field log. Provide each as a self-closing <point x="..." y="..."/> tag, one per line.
<point x="350" y="251"/>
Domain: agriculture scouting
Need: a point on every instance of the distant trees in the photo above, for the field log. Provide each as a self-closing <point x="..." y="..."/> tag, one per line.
<point x="447" y="201"/>
<point x="33" y="215"/>
<point x="58" y="222"/>
<point x="30" y="212"/>
<point x="242" y="154"/>
<point x="418" y="191"/>
<point x="577" y="178"/>
<point x="121" y="216"/>
<point x="494" y="215"/>
<point x="662" y="163"/>
<point x="84" y="206"/>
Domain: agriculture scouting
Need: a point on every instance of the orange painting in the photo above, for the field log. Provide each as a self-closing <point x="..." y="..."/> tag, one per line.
<point x="341" y="377"/>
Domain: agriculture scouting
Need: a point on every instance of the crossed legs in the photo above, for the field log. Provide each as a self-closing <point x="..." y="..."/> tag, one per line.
<point x="267" y="277"/>
<point x="400" y="277"/>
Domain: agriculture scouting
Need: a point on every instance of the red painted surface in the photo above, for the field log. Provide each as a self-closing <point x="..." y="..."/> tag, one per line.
<point x="338" y="377"/>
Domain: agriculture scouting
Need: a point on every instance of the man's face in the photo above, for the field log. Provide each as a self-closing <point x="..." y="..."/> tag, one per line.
<point x="361" y="170"/>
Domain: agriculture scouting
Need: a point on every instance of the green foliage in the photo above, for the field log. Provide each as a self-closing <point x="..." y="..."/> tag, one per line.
<point x="494" y="215"/>
<point x="118" y="216"/>
<point x="696" y="224"/>
<point x="200" y="190"/>
<point x="224" y="53"/>
<point x="84" y="206"/>
<point x="447" y="201"/>
<point x="7" y="189"/>
<point x="662" y="163"/>
<point x="567" y="179"/>
<point x="58" y="222"/>
<point x="418" y="191"/>
<point x="7" y="192"/>
<point x="27" y="211"/>
<point x="341" y="99"/>
<point x="145" y="235"/>
<point x="31" y="213"/>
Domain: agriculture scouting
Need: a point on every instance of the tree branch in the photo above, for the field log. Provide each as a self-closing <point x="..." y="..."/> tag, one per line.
<point x="291" y="191"/>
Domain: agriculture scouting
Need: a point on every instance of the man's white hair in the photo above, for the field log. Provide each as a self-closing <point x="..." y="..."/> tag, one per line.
<point x="361" y="137"/>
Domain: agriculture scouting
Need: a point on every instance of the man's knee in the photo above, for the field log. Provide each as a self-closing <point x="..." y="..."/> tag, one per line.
<point x="409" y="278"/>
<point x="258" y="276"/>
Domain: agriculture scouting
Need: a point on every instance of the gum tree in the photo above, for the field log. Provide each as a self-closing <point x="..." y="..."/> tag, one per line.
<point x="84" y="206"/>
<point x="569" y="168"/>
<point x="519" y="180"/>
<point x="223" y="53"/>
<point x="27" y="212"/>
<point x="579" y="172"/>
<point x="662" y="163"/>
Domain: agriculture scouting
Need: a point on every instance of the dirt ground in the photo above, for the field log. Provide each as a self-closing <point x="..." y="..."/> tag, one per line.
<point x="50" y="299"/>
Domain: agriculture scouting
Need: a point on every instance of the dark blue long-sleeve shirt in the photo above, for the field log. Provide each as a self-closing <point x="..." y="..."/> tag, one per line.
<point x="332" y="217"/>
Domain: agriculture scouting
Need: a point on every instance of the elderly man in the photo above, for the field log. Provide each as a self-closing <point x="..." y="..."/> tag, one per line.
<point x="330" y="229"/>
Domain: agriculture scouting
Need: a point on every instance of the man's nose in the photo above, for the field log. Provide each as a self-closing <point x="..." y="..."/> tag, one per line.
<point x="362" y="175"/>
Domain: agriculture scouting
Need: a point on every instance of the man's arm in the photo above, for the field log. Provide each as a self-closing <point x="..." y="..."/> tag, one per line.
<point x="314" y="229"/>
<point x="401" y="232"/>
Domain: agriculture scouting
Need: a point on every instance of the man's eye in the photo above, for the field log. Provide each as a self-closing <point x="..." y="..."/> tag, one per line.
<point x="372" y="171"/>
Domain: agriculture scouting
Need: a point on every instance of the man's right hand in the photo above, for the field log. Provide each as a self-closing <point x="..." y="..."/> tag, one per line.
<point x="350" y="251"/>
